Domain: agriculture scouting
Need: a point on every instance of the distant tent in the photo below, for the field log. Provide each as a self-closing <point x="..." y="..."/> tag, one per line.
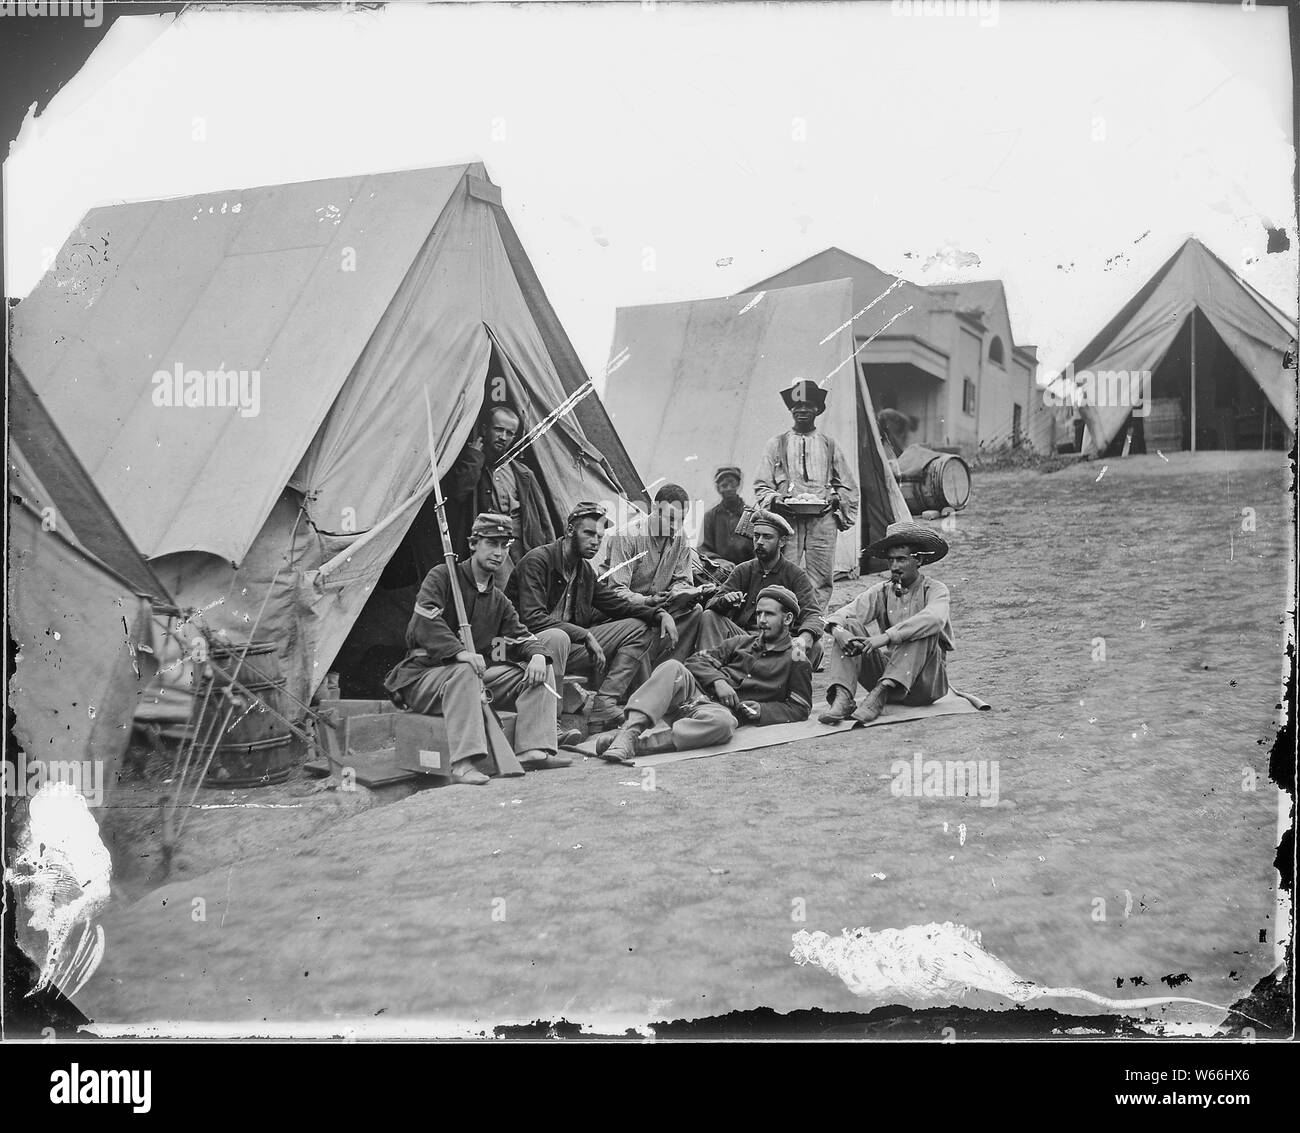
<point x="1197" y="315"/>
<point x="79" y="598"/>
<point x="298" y="327"/>
<point x="701" y="383"/>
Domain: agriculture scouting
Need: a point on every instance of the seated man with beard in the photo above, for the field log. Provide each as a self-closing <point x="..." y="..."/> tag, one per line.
<point x="733" y="611"/>
<point x="560" y="599"/>
<point x="751" y="679"/>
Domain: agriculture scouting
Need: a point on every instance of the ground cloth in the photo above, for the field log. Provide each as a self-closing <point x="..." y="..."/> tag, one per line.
<point x="750" y="738"/>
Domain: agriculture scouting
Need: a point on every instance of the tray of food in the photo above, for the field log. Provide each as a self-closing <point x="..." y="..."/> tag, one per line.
<point x="804" y="504"/>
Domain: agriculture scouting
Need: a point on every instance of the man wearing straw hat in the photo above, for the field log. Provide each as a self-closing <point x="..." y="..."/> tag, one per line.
<point x="805" y="462"/>
<point x="439" y="677"/>
<point x="893" y="638"/>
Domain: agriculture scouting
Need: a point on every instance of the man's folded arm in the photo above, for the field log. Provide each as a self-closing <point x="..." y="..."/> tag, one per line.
<point x="428" y="628"/>
<point x="924" y="622"/>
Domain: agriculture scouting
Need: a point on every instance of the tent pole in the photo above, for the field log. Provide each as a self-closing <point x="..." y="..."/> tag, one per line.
<point x="1193" y="379"/>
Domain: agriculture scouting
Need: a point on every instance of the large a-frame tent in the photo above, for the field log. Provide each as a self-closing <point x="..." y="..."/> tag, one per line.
<point x="79" y="599"/>
<point x="701" y="387"/>
<point x="349" y="298"/>
<point x="1196" y="309"/>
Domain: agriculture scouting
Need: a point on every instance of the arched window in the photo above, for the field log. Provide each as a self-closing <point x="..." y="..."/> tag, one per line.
<point x="995" y="351"/>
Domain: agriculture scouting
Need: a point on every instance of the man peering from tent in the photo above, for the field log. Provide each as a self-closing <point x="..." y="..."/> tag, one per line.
<point x="718" y="538"/>
<point x="734" y="611"/>
<point x="649" y="565"/>
<point x="476" y="484"/>
<point x="803" y="461"/>
<point x="750" y="679"/>
<point x="561" y="600"/>
<point x="438" y="677"/>
<point x="904" y="659"/>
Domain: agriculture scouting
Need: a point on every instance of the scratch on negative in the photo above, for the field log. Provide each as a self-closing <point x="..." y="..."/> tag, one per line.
<point x="877" y="299"/>
<point x="226" y="907"/>
<point x="754" y="302"/>
<point x="538" y="430"/>
<point x="130" y="645"/>
<point x="627" y="562"/>
<point x="1101" y="473"/>
<point x="867" y="343"/>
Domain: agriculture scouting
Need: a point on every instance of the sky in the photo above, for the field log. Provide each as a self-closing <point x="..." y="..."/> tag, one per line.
<point x="653" y="152"/>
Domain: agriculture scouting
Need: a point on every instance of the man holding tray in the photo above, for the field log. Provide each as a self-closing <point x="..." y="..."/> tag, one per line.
<point x="805" y="476"/>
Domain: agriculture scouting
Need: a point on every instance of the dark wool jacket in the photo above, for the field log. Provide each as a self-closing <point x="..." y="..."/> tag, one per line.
<point x="749" y="579"/>
<point x="538" y="582"/>
<point x="433" y="635"/>
<point x="718" y="533"/>
<point x="468" y="485"/>
<point x="781" y="686"/>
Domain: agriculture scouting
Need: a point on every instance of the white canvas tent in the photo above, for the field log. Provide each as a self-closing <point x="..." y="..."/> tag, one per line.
<point x="78" y="602"/>
<point x="1195" y="302"/>
<point x="349" y="298"/>
<point x="701" y="388"/>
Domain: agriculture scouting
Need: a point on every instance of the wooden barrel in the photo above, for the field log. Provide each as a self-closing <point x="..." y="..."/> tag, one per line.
<point x="243" y="726"/>
<point x="943" y="482"/>
<point x="1162" y="429"/>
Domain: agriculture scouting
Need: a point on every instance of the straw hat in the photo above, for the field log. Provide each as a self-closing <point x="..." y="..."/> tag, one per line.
<point x="931" y="546"/>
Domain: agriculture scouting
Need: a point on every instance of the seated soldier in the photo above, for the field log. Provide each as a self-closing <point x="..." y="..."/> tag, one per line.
<point x="733" y="611"/>
<point x="559" y="598"/>
<point x="648" y="563"/>
<point x="439" y="677"/>
<point x="905" y="660"/>
<point x="751" y="679"/>
<point x="718" y="538"/>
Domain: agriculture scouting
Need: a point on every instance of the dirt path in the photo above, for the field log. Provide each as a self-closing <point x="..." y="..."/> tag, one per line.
<point x="578" y="894"/>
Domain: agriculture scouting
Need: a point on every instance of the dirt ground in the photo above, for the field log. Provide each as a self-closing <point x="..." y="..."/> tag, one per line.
<point x="578" y="894"/>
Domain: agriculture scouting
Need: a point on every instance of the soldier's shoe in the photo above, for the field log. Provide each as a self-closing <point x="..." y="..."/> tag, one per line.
<point x="542" y="761"/>
<point x="617" y="747"/>
<point x="655" y="743"/>
<point x="841" y="707"/>
<point x="464" y="773"/>
<point x="605" y="713"/>
<point x="873" y="705"/>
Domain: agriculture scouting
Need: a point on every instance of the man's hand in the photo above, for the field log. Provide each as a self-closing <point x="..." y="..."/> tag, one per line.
<point x="731" y="598"/>
<point x="473" y="660"/>
<point x="749" y="709"/>
<point x="597" y="656"/>
<point x="879" y="641"/>
<point x="799" y="647"/>
<point x="535" y="671"/>
<point x="727" y="696"/>
<point x="668" y="627"/>
<point x="849" y="645"/>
